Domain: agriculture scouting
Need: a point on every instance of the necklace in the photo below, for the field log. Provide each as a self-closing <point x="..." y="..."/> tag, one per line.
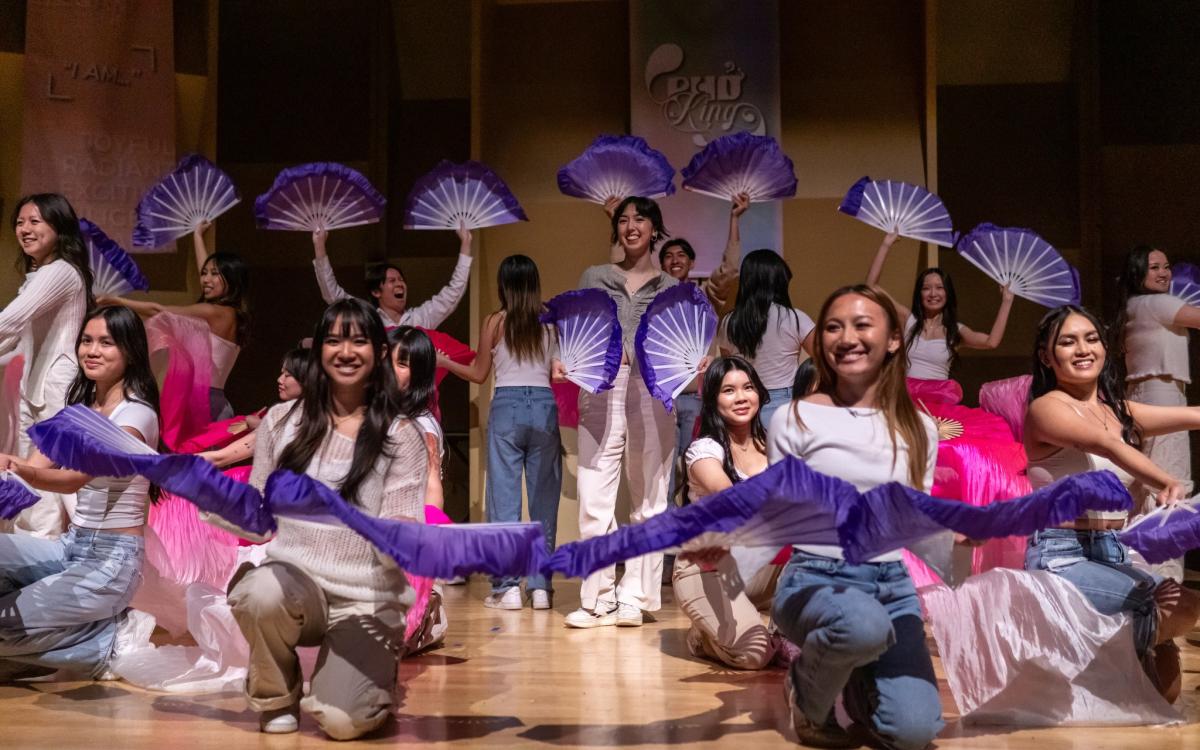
<point x="1087" y="406"/>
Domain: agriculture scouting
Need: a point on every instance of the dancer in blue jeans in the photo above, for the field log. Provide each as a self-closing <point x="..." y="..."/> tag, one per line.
<point x="522" y="430"/>
<point x="64" y="602"/>
<point x="858" y="626"/>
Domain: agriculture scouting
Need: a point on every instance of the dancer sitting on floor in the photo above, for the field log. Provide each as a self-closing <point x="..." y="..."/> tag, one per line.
<point x="64" y="602"/>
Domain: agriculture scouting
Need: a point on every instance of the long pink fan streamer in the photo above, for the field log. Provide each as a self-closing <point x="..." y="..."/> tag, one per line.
<point x="12" y="366"/>
<point x="421" y="585"/>
<point x="1008" y="399"/>
<point x="184" y="405"/>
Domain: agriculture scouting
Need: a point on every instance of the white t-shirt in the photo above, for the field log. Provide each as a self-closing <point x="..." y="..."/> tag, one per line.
<point x="118" y="502"/>
<point x="848" y="443"/>
<point x="781" y="349"/>
<point x="700" y="448"/>
<point x="430" y="426"/>
<point x="928" y="359"/>
<point x="1153" y="345"/>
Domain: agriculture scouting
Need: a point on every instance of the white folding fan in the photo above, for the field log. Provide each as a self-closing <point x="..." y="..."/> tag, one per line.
<point x="672" y="338"/>
<point x="1021" y="260"/>
<point x="589" y="337"/>
<point x="197" y="191"/>
<point x="908" y="210"/>
<point x="321" y="195"/>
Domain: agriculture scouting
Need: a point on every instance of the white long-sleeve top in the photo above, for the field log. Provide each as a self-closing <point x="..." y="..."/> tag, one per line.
<point x="42" y="323"/>
<point x="429" y="314"/>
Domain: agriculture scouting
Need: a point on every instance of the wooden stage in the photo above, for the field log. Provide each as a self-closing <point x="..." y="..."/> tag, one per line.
<point x="520" y="679"/>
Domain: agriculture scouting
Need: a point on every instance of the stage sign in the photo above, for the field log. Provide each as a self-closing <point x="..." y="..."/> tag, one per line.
<point x="701" y="69"/>
<point x="99" y="117"/>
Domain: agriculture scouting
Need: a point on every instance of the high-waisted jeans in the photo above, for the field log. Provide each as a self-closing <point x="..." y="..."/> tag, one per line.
<point x="62" y="599"/>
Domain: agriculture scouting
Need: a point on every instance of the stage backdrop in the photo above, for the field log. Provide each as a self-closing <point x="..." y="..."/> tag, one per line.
<point x="99" y="119"/>
<point x="700" y="69"/>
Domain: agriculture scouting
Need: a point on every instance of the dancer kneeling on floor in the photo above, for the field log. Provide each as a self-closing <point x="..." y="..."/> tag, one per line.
<point x="324" y="585"/>
<point x="1079" y="420"/>
<point x="63" y="602"/>
<point x="858" y="626"/>
<point x="732" y="446"/>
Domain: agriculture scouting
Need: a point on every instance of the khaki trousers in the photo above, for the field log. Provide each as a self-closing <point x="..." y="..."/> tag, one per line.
<point x="725" y="612"/>
<point x="1171" y="453"/>
<point x="279" y="607"/>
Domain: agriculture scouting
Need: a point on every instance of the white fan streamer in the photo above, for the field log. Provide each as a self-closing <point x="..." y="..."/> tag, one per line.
<point x="1023" y="261"/>
<point x="908" y="210"/>
<point x="680" y="336"/>
<point x="189" y="199"/>
<point x="583" y="347"/>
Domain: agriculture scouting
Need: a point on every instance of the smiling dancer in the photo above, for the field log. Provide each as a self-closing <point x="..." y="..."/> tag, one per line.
<point x="41" y="325"/>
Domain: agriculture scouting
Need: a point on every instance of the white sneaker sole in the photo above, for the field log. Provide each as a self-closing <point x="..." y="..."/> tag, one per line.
<point x="501" y="604"/>
<point x="596" y="621"/>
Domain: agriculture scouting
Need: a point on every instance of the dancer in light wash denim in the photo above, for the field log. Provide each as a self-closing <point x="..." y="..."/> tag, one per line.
<point x="522" y="429"/>
<point x="858" y="626"/>
<point x="63" y="602"/>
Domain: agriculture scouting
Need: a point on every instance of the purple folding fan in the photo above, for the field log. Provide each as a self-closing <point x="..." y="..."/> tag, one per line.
<point x="469" y="194"/>
<point x="15" y="495"/>
<point x="197" y="191"/>
<point x="114" y="274"/>
<point x="1023" y="261"/>
<point x="672" y="337"/>
<point x="741" y="163"/>
<point x="589" y="337"/>
<point x="84" y="440"/>
<point x="1185" y="283"/>
<point x="322" y="195"/>
<point x="908" y="210"/>
<point x="426" y="550"/>
<point x="617" y="166"/>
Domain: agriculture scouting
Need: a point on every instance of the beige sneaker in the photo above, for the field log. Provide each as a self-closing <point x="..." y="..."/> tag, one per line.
<point x="540" y="599"/>
<point x="628" y="616"/>
<point x="586" y="618"/>
<point x="510" y="599"/>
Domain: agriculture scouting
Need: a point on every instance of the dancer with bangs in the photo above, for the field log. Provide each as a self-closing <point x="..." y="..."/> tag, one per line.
<point x="522" y="428"/>
<point x="41" y="325"/>
<point x="765" y="329"/>
<point x="325" y="585"/>
<point x="64" y="602"/>
<point x="858" y="627"/>
<point x="624" y="427"/>
<point x="1080" y="420"/>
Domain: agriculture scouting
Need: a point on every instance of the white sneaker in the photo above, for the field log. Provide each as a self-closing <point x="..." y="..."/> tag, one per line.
<point x="279" y="721"/>
<point x="586" y="618"/>
<point x="133" y="634"/>
<point x="540" y="599"/>
<point x="510" y="599"/>
<point x="629" y="616"/>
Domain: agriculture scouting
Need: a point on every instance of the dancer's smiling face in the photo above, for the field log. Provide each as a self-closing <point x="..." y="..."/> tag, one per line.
<point x="1077" y="353"/>
<point x="36" y="237"/>
<point x="856" y="338"/>
<point x="393" y="292"/>
<point x="676" y="262"/>
<point x="100" y="358"/>
<point x="401" y="368"/>
<point x="347" y="355"/>
<point x="212" y="283"/>
<point x="634" y="231"/>
<point x="1158" y="272"/>
<point x="289" y="388"/>
<point x="737" y="401"/>
<point x="933" y="293"/>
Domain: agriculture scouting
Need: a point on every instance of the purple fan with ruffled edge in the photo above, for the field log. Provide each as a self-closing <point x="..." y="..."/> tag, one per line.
<point x="1024" y="262"/>
<point x="1165" y="533"/>
<point x="498" y="549"/>
<point x="1185" y="283"/>
<point x="901" y="207"/>
<point x="114" y="273"/>
<point x="741" y="163"/>
<point x="15" y="495"/>
<point x="321" y="195"/>
<point x="468" y="194"/>
<point x="84" y="440"/>
<point x="790" y="503"/>
<point x="197" y="191"/>
<point x="672" y="338"/>
<point x="617" y="166"/>
<point x="589" y="337"/>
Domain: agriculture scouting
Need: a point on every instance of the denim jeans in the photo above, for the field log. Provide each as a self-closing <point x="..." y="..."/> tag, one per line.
<point x="522" y="434"/>
<point x="687" y="411"/>
<point x="860" y="633"/>
<point x="62" y="599"/>
<point x="1097" y="563"/>
<point x="779" y="397"/>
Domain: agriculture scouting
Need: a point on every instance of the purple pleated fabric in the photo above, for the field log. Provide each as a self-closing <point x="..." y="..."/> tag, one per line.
<point x="84" y="440"/>
<point x="672" y="338"/>
<point x="15" y="496"/>
<point x="113" y="272"/>
<point x="891" y="516"/>
<point x="422" y="549"/>
<point x="470" y="194"/>
<point x="1159" y="539"/>
<point x="589" y="337"/>
<point x="617" y="166"/>
<point x="320" y="195"/>
<point x="741" y="163"/>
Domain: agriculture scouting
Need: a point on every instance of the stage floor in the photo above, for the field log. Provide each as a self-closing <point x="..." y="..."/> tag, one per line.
<point x="520" y="679"/>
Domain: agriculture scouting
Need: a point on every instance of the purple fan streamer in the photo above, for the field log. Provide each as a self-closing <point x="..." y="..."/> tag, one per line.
<point x="680" y="293"/>
<point x="15" y="497"/>
<point x="853" y="201"/>
<point x="353" y="200"/>
<point x="741" y="163"/>
<point x="1185" y="283"/>
<point x="477" y="198"/>
<point x="907" y="209"/>
<point x="418" y="548"/>
<point x="196" y="190"/>
<point x="1020" y="258"/>
<point x="114" y="255"/>
<point x="617" y="166"/>
<point x="1185" y="273"/>
<point x="1159" y="540"/>
<point x="74" y="439"/>
<point x="597" y="304"/>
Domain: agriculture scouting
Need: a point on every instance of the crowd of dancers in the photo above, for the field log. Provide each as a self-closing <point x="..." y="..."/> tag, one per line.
<point x="857" y="393"/>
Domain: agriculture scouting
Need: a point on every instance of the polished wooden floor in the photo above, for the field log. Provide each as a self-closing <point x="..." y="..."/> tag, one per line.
<point x="520" y="679"/>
